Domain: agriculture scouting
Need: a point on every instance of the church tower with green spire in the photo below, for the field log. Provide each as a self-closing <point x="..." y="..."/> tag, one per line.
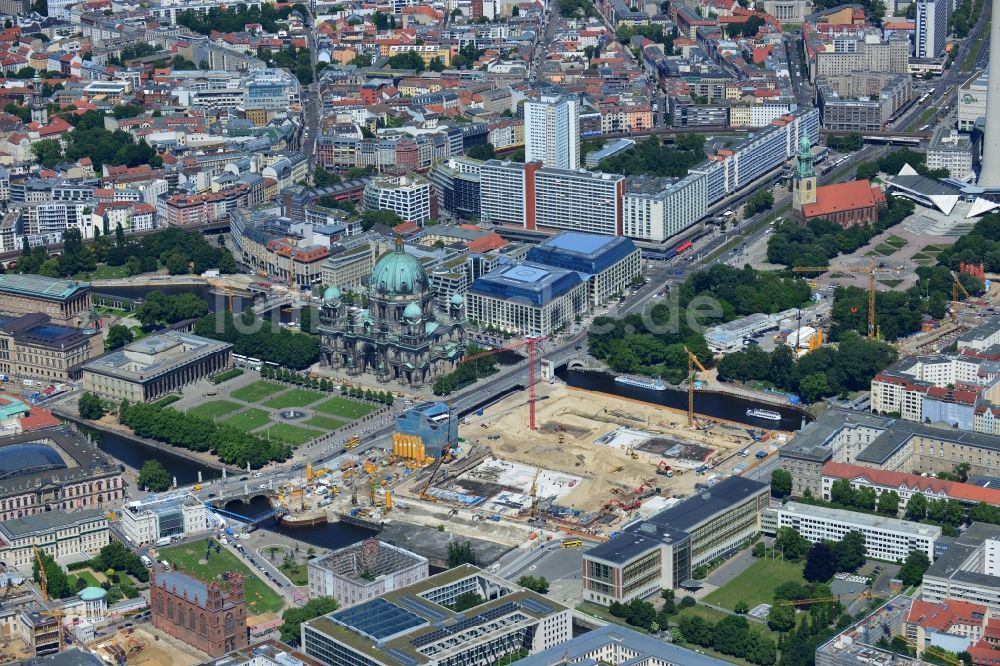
<point x="804" y="185"/>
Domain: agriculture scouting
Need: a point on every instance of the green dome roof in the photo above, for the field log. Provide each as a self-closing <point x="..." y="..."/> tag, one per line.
<point x="412" y="312"/>
<point x="456" y="299"/>
<point x="92" y="593"/>
<point x="331" y="294"/>
<point x="398" y="273"/>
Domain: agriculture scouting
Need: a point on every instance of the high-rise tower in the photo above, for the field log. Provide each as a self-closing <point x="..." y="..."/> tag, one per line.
<point x="989" y="176"/>
<point x="552" y="132"/>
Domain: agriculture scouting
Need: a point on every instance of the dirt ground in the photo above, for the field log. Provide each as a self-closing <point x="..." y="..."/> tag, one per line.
<point x="580" y="418"/>
<point x="155" y="652"/>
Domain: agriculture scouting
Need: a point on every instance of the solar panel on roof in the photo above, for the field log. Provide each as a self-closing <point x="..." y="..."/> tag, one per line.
<point x="378" y="618"/>
<point x="417" y="606"/>
<point x="401" y="657"/>
<point x="534" y="605"/>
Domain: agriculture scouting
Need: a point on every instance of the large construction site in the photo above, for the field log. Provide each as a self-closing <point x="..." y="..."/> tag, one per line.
<point x="606" y="459"/>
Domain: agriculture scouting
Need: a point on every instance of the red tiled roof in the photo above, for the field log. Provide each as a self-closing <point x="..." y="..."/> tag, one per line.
<point x="491" y="241"/>
<point x="840" y="197"/>
<point x="925" y="484"/>
<point x="946" y="614"/>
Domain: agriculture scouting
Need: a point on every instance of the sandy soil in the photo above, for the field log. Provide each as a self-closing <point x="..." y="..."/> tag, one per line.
<point x="155" y="652"/>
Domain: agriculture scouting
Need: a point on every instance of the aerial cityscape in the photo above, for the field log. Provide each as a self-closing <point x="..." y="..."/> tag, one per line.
<point x="473" y="332"/>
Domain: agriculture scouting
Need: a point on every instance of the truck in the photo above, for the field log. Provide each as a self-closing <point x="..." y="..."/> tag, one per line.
<point x="163" y="541"/>
<point x="148" y="563"/>
<point x="761" y="455"/>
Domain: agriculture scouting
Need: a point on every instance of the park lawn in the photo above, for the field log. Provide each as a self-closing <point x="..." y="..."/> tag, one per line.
<point x="344" y="408"/>
<point x="895" y="241"/>
<point x="286" y="432"/>
<point x="324" y="422"/>
<point x="189" y="558"/>
<point x="248" y="420"/>
<point x="214" y="408"/>
<point x="920" y="256"/>
<point x="885" y="249"/>
<point x="892" y="284"/>
<point x="297" y="573"/>
<point x="294" y="398"/>
<point x="104" y="272"/>
<point x="756" y="584"/>
<point x="872" y="253"/>
<point x="931" y="248"/>
<point x="88" y="576"/>
<point x="257" y="391"/>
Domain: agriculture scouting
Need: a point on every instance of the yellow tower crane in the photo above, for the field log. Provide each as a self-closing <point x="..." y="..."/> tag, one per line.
<point x="534" y="492"/>
<point x="956" y="286"/>
<point x="873" y="272"/>
<point x="692" y="362"/>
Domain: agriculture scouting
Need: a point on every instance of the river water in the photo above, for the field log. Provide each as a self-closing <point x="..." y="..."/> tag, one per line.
<point x="727" y="407"/>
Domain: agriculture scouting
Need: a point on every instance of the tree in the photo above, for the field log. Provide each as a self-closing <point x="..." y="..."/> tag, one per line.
<point x="154" y="476"/>
<point x="916" y="508"/>
<point x="461" y="552"/>
<point x="820" y="563"/>
<point x="483" y="151"/>
<point x="791" y="544"/>
<point x="48" y="152"/>
<point x="781" y="483"/>
<point x="849" y="553"/>
<point x="538" y="584"/>
<point x="91" y="407"/>
<point x="118" y="336"/>
<point x="781" y="617"/>
<point x="813" y="387"/>
<point x="888" y="503"/>
<point x="324" y="178"/>
<point x="912" y="571"/>
<point x="758" y="202"/>
<point x="293" y="617"/>
<point x="866" y="171"/>
<point x="465" y="601"/>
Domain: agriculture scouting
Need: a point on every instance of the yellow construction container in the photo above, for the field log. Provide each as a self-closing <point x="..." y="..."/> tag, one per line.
<point x="388" y="500"/>
<point x="408" y="447"/>
<point x="370" y="468"/>
<point x="321" y="472"/>
<point x="309" y="472"/>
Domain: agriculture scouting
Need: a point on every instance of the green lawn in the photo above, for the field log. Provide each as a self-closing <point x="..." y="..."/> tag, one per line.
<point x="85" y="575"/>
<point x="920" y="256"/>
<point x="324" y="422"/>
<point x="104" y="272"/>
<point x="344" y="408"/>
<point x="189" y="558"/>
<point x="297" y="573"/>
<point x="931" y="248"/>
<point x="896" y="241"/>
<point x="713" y="615"/>
<point x="756" y="584"/>
<point x="248" y="420"/>
<point x="294" y="435"/>
<point x="892" y="284"/>
<point x="257" y="391"/>
<point x="885" y="249"/>
<point x="294" y="398"/>
<point x="214" y="408"/>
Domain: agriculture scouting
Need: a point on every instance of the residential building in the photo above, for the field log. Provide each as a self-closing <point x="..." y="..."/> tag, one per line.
<point x="886" y="538"/>
<point x="150" y="368"/>
<point x="407" y="196"/>
<point x="65" y="301"/>
<point x="363" y="571"/>
<point x="951" y="625"/>
<point x="507" y="192"/>
<point x="414" y="625"/>
<point x="952" y="151"/>
<point x="456" y="187"/>
<point x="57" y="470"/>
<point x="66" y="536"/>
<point x="655" y="209"/>
<point x="608" y="264"/>
<point x="862" y="101"/>
<point x="867" y="54"/>
<point x="528" y="298"/>
<point x="552" y="132"/>
<point x="969" y="570"/>
<point x="857" y="643"/>
<point x="206" y="616"/>
<point x="932" y="27"/>
<point x="660" y="552"/>
<point x="164" y="516"/>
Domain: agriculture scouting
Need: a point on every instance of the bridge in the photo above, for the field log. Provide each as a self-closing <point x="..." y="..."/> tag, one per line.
<point x="249" y="520"/>
<point x="274" y="303"/>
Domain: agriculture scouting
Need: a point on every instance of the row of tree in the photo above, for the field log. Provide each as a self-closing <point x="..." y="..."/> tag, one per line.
<point x="236" y="18"/>
<point x="820" y="240"/>
<point x="656" y="158"/>
<point x="261" y="339"/>
<point x="731" y="636"/>
<point x="232" y="446"/>
<point x="894" y="161"/>
<point x="467" y="372"/>
<point x="160" y="309"/>
<point x="823" y="372"/>
<point x="325" y="385"/>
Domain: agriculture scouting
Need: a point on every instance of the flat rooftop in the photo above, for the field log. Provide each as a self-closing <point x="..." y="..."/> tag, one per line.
<point x="528" y="281"/>
<point x="862" y="519"/>
<point x="634" y="648"/>
<point x="149" y="358"/>
<point x="964" y="552"/>
<point x="18" y="528"/>
<point x="697" y="509"/>
<point x="37" y="286"/>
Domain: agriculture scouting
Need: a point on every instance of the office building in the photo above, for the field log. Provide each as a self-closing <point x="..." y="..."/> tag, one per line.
<point x="867" y="54"/>
<point x="860" y="642"/>
<point x="507" y="192"/>
<point x="886" y="538"/>
<point x="615" y="645"/>
<point x="608" y="264"/>
<point x="207" y="616"/>
<point x="972" y="101"/>
<point x="65" y="536"/>
<point x="55" y="470"/>
<point x="862" y="101"/>
<point x="552" y="132"/>
<point x="150" y="368"/>
<point x="64" y="301"/>
<point x="528" y="298"/>
<point x="363" y="571"/>
<point x="660" y="552"/>
<point x="164" y="516"/>
<point x="456" y="187"/>
<point x="434" y="423"/>
<point x="32" y="347"/>
<point x="415" y="626"/>
<point x="407" y="196"/>
<point x="932" y="27"/>
<point x="950" y="150"/>
<point x="969" y="570"/>
<point x="349" y="265"/>
<point x="655" y="209"/>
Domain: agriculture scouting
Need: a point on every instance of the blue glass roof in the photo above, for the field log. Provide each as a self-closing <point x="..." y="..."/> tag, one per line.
<point x="584" y="253"/>
<point x="378" y="619"/>
<point x="50" y="331"/>
<point x="27" y="459"/>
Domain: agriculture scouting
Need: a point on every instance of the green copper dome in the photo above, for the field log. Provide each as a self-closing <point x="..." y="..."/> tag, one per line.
<point x="412" y="312"/>
<point x="456" y="299"/>
<point x="398" y="273"/>
<point x="331" y="294"/>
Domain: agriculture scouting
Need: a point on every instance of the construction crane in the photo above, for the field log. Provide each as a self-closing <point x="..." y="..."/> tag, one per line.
<point x="873" y="270"/>
<point x="530" y="343"/>
<point x="44" y="583"/>
<point x="956" y="286"/>
<point x="692" y="362"/>
<point x="534" y="493"/>
<point x="823" y="600"/>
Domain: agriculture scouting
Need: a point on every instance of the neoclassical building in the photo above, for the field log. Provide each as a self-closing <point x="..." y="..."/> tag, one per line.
<point x="398" y="337"/>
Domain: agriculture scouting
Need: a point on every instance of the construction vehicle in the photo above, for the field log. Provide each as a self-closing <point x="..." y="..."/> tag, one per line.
<point x="624" y="506"/>
<point x="620" y="468"/>
<point x="427" y="484"/>
<point x="632" y="453"/>
<point x="664" y="469"/>
<point x="692" y="362"/>
<point x="873" y="271"/>
<point x="352" y="442"/>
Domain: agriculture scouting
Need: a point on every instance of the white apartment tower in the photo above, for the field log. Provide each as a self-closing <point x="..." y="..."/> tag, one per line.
<point x="552" y="132"/>
<point x="932" y="27"/>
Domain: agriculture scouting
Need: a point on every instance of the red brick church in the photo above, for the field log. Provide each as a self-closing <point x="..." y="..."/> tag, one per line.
<point x="848" y="204"/>
<point x="207" y="616"/>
